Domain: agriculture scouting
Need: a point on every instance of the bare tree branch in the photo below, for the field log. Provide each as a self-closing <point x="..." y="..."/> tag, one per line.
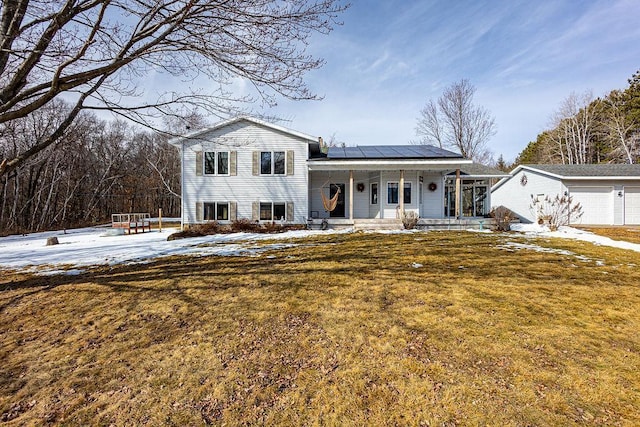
<point x="103" y="50"/>
<point x="453" y="121"/>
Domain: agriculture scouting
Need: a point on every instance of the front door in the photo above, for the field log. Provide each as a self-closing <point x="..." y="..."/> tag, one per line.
<point x="338" y="212"/>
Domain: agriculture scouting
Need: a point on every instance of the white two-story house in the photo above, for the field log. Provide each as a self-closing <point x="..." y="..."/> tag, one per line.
<point x="247" y="168"/>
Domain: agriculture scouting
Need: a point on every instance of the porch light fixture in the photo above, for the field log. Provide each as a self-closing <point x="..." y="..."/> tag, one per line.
<point x="360" y="187"/>
<point x="620" y="194"/>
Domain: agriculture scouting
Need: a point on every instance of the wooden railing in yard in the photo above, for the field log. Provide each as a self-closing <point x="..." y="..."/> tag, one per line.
<point x="131" y="221"/>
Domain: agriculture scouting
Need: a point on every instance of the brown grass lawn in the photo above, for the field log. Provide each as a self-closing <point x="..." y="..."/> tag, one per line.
<point x="338" y="330"/>
<point x="623" y="233"/>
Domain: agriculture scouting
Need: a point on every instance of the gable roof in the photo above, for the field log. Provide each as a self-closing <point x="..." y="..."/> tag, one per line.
<point x="195" y="134"/>
<point x="379" y="152"/>
<point x="606" y="171"/>
<point x="587" y="171"/>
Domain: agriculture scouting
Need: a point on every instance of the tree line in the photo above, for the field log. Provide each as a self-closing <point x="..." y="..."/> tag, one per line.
<point x="591" y="130"/>
<point x="64" y="61"/>
<point x="98" y="167"/>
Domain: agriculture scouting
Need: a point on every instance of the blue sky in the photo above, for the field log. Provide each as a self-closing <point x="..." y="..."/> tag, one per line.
<point x="523" y="57"/>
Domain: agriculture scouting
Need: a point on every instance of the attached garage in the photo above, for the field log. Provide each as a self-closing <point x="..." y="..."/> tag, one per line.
<point x="608" y="193"/>
<point x="632" y="205"/>
<point x="596" y="202"/>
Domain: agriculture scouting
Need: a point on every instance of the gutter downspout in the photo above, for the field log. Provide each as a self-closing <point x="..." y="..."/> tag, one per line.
<point x="182" y="210"/>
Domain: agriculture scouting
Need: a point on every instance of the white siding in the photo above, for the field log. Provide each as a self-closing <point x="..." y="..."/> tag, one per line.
<point x="360" y="198"/>
<point x="433" y="201"/>
<point x="319" y="182"/>
<point x="244" y="188"/>
<point x="517" y="197"/>
<point x="362" y="207"/>
<point x="390" y="210"/>
<point x="618" y="204"/>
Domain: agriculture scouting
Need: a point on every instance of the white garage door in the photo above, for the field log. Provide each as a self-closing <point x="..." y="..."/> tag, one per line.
<point x="632" y="205"/>
<point x="597" y="204"/>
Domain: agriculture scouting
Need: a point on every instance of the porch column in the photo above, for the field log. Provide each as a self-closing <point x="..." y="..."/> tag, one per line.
<point x="458" y="193"/>
<point x="351" y="195"/>
<point x="401" y="193"/>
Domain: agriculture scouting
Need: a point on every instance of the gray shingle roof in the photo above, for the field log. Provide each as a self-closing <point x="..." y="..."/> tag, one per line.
<point x="600" y="170"/>
<point x="371" y="152"/>
<point x="477" y="169"/>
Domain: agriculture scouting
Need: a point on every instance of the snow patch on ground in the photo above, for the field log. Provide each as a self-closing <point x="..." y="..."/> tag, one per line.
<point x="86" y="247"/>
<point x="536" y="230"/>
<point x="94" y="246"/>
<point x="515" y="246"/>
<point x="477" y="230"/>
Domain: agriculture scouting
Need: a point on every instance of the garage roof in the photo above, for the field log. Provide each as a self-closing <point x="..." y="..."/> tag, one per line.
<point x="600" y="170"/>
<point x="604" y="172"/>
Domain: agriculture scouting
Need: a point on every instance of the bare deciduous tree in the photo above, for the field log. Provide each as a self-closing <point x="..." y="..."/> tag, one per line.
<point x="621" y="129"/>
<point x="453" y="121"/>
<point x="574" y="128"/>
<point x="100" y="167"/>
<point x="97" y="52"/>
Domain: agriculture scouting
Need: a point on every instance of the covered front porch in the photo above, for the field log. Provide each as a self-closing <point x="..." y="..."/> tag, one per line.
<point x="445" y="194"/>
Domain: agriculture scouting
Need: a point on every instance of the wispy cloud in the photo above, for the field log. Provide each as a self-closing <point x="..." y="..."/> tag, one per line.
<point x="524" y="57"/>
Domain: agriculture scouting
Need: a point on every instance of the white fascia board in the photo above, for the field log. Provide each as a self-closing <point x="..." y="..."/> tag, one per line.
<point x="193" y="135"/>
<point x="540" y="171"/>
<point x="329" y="165"/>
<point x="499" y="183"/>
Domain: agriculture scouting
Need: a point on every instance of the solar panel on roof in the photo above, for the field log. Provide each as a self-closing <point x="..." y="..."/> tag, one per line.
<point x="390" y="152"/>
<point x="366" y="152"/>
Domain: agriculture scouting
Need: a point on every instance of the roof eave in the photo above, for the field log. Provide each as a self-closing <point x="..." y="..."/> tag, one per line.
<point x="343" y="164"/>
<point x="601" y="178"/>
<point x="177" y="141"/>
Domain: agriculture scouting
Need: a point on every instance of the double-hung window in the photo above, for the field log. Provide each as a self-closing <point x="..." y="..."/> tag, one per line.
<point x="272" y="211"/>
<point x="272" y="163"/>
<point x="393" y="193"/>
<point x="216" y="163"/>
<point x="407" y="193"/>
<point x="216" y="211"/>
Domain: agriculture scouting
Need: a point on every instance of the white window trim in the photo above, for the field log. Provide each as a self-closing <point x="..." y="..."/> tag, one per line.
<point x="399" y="189"/>
<point x="273" y="163"/>
<point x="371" y="194"/>
<point x="387" y="195"/>
<point x="215" y="166"/>
<point x="272" y="207"/>
<point x="215" y="210"/>
<point x="411" y="203"/>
